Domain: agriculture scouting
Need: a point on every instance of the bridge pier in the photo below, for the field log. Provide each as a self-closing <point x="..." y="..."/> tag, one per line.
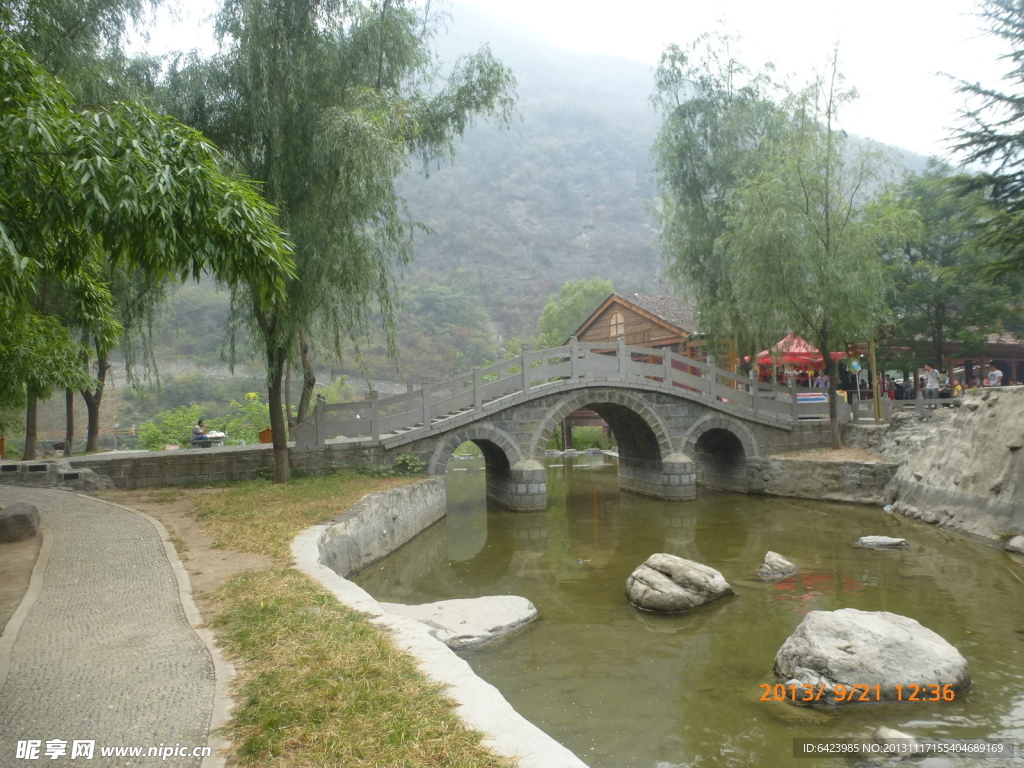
<point x="671" y="479"/>
<point x="521" y="487"/>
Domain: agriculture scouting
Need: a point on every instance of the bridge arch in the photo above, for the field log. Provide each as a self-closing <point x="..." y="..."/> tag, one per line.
<point x="720" y="447"/>
<point x="639" y="429"/>
<point x="513" y="480"/>
<point x="648" y="465"/>
<point x="500" y="450"/>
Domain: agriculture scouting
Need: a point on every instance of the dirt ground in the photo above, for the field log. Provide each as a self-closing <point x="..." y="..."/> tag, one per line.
<point x="207" y="567"/>
<point x="16" y="562"/>
<point x="831" y="454"/>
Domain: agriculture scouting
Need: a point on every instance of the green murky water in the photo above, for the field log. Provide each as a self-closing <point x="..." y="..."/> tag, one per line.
<point x="624" y="688"/>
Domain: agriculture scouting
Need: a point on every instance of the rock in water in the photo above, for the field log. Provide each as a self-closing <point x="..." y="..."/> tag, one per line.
<point x="1016" y="544"/>
<point x="775" y="567"/>
<point x="18" y="522"/>
<point x="881" y="542"/>
<point x="469" y="622"/>
<point x="868" y="648"/>
<point x="670" y="583"/>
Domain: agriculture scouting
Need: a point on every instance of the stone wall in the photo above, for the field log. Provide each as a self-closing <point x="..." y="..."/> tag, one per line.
<point x="861" y="482"/>
<point x="149" y="469"/>
<point x="379" y="524"/>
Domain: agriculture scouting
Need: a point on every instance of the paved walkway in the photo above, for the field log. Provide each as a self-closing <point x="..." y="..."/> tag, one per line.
<point x="103" y="647"/>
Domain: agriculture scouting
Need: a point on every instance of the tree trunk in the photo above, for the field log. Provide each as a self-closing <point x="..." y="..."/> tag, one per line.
<point x="831" y="370"/>
<point x="69" y="420"/>
<point x="31" y="439"/>
<point x="308" y="378"/>
<point x="288" y="417"/>
<point x="92" y="405"/>
<point x="275" y="374"/>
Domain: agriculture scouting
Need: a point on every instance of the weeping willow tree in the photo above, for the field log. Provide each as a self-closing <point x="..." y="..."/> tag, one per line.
<point x="718" y="117"/>
<point x="326" y="102"/>
<point x="806" y="232"/>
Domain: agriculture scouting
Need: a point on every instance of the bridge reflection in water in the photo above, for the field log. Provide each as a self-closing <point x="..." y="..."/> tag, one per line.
<point x="625" y="688"/>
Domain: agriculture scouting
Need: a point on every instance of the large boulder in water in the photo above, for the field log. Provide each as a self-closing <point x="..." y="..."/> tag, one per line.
<point x="669" y="583"/>
<point x="868" y="648"/>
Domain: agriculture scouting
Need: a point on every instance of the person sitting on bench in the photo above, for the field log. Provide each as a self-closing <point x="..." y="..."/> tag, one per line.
<point x="199" y="432"/>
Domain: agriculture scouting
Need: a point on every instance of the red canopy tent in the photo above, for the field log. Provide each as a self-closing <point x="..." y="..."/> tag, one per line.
<point x="794" y="350"/>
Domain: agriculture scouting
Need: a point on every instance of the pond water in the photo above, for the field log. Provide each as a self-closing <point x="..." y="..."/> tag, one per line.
<point x="622" y="687"/>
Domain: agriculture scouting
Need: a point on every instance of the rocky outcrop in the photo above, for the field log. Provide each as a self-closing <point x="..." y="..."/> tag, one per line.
<point x="1016" y="544"/>
<point x="964" y="467"/>
<point x="860" y="648"/>
<point x="669" y="583"/>
<point x="775" y="567"/>
<point x="18" y="522"/>
<point x="468" y="623"/>
<point x="52" y="473"/>
<point x="882" y="542"/>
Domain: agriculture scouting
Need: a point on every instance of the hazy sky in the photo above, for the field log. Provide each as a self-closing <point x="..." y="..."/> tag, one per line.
<point x="892" y="51"/>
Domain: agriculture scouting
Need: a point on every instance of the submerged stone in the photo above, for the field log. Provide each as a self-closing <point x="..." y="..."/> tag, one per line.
<point x="776" y="568"/>
<point x="881" y="542"/>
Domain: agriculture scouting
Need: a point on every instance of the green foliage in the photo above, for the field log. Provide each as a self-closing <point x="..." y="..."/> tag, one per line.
<point x="86" y="188"/>
<point x="172" y="427"/>
<point x="246" y="419"/>
<point x="993" y="138"/>
<point x="406" y="464"/>
<point x="576" y="301"/>
<point x="326" y="110"/>
<point x="719" y="118"/>
<point x="582" y="439"/>
<point x="338" y="391"/>
<point x="243" y="423"/>
<point x="940" y="292"/>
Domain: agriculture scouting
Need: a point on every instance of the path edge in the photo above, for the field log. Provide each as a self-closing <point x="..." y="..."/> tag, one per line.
<point x="35" y="587"/>
<point x="223" y="671"/>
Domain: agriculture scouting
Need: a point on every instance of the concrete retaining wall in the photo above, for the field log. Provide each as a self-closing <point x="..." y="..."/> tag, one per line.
<point x="379" y="524"/>
<point x="861" y="482"/>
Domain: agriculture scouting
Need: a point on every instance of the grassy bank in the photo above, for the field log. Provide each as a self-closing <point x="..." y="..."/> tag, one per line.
<point x="317" y="685"/>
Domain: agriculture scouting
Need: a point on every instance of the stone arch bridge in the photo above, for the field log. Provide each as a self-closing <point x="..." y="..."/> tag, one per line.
<point x="678" y="422"/>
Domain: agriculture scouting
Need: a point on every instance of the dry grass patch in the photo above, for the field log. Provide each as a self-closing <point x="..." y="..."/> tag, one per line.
<point x="319" y="686"/>
<point x="260" y="517"/>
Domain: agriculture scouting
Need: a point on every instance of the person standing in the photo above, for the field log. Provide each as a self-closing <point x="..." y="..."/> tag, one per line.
<point x="995" y="376"/>
<point x="931" y="383"/>
<point x="890" y="387"/>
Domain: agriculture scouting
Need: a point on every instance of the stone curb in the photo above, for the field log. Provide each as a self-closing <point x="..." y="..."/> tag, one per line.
<point x="480" y="705"/>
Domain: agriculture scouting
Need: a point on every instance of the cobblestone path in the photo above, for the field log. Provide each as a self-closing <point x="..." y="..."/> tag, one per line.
<point x="105" y="653"/>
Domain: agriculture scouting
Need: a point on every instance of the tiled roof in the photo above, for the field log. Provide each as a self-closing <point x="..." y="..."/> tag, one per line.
<point x="680" y="313"/>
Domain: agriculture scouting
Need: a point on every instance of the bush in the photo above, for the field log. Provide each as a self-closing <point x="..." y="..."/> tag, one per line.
<point x="406" y="464"/>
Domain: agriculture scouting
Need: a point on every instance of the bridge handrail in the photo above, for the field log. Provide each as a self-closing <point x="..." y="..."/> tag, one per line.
<point x="576" y="361"/>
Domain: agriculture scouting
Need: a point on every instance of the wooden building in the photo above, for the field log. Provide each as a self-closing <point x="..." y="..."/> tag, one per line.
<point x="643" y="320"/>
<point x="662" y="322"/>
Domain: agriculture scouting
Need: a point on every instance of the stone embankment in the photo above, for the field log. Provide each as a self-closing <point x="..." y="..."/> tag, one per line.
<point x="962" y="468"/>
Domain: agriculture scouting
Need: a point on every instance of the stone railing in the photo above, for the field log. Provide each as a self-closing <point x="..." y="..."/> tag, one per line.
<point x="583" y="363"/>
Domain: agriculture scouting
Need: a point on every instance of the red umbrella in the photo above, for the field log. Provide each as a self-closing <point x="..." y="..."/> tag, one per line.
<point x="796" y="350"/>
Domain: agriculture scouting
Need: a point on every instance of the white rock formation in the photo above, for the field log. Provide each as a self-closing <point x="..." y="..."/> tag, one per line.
<point x="863" y="648"/>
<point x="470" y="622"/>
<point x="669" y="583"/>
